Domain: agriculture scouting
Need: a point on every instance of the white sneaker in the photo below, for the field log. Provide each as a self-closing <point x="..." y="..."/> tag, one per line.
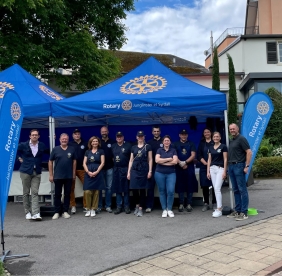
<point x="28" y="215"/>
<point x="88" y="213"/>
<point x="217" y="213"/>
<point x="164" y="214"/>
<point x="73" y="209"/>
<point x="37" y="217"/>
<point x="148" y="210"/>
<point x="56" y="216"/>
<point x="170" y="214"/>
<point x="92" y="213"/>
<point x="66" y="215"/>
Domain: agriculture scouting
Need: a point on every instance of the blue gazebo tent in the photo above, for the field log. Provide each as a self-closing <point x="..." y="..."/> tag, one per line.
<point x="149" y="94"/>
<point x="35" y="95"/>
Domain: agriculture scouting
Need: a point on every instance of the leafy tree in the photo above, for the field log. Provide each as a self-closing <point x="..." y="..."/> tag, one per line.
<point x="45" y="35"/>
<point x="215" y="72"/>
<point x="232" y="99"/>
<point x="273" y="130"/>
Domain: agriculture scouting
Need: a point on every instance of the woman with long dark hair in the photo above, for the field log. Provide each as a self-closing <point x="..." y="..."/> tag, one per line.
<point x="202" y="157"/>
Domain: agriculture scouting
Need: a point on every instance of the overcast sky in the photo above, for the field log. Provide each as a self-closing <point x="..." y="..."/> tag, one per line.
<point x="181" y="27"/>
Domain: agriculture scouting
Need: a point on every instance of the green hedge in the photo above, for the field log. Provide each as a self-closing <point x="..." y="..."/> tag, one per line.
<point x="1" y="269"/>
<point x="268" y="166"/>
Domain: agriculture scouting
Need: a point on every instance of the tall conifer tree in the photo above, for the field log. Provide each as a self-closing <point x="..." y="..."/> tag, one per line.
<point x="232" y="99"/>
<point x="215" y="71"/>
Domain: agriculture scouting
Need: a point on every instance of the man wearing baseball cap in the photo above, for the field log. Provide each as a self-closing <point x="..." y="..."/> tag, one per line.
<point x="120" y="185"/>
<point x="80" y="147"/>
<point x="186" y="181"/>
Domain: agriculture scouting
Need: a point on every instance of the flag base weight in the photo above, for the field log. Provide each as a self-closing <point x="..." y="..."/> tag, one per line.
<point x="7" y="257"/>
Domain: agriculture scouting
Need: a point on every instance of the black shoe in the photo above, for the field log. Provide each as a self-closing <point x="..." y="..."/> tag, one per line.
<point x="181" y="208"/>
<point x="127" y="210"/>
<point x="117" y="211"/>
<point x="98" y="211"/>
<point x="189" y="208"/>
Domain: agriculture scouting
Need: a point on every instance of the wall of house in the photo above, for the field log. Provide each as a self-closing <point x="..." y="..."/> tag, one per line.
<point x="250" y="56"/>
<point x="227" y="41"/>
<point x="269" y="16"/>
<point x="224" y="86"/>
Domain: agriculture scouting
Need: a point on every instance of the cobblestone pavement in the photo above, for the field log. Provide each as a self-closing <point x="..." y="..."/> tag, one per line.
<point x="254" y="249"/>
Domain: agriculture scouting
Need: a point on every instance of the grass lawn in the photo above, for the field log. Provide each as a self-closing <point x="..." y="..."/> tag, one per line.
<point x="1" y="269"/>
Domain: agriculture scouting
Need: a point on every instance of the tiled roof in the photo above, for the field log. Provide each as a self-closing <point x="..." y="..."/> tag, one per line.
<point x="130" y="60"/>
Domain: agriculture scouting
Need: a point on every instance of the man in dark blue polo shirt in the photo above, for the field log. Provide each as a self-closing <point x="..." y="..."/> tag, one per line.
<point x="62" y="174"/>
<point x="186" y="181"/>
<point x="155" y="144"/>
<point x="106" y="145"/>
<point x="30" y="155"/>
<point x="121" y="152"/>
<point x="80" y="146"/>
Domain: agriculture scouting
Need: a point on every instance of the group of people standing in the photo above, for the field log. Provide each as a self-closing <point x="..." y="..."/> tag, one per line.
<point x="120" y="167"/>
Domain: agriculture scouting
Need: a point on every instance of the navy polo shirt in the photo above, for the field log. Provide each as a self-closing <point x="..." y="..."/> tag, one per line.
<point x="166" y="154"/>
<point x="80" y="148"/>
<point x="107" y="147"/>
<point x="155" y="145"/>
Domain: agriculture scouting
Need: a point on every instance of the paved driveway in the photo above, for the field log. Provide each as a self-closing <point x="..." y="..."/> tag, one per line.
<point x="84" y="246"/>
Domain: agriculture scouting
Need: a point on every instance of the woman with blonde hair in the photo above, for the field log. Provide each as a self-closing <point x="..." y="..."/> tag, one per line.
<point x="216" y="170"/>
<point x="93" y="162"/>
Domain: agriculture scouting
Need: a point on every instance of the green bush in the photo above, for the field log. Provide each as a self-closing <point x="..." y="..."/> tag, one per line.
<point x="268" y="166"/>
<point x="264" y="151"/>
<point x="1" y="269"/>
<point x="273" y="130"/>
<point x="265" y="148"/>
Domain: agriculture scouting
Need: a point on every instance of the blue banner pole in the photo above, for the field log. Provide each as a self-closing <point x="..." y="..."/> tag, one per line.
<point x="11" y="118"/>
<point x="256" y="116"/>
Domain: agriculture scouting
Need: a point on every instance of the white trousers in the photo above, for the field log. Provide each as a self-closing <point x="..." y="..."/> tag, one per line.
<point x="217" y="181"/>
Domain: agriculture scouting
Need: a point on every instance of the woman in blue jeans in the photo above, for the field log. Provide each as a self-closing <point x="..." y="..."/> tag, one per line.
<point x="166" y="159"/>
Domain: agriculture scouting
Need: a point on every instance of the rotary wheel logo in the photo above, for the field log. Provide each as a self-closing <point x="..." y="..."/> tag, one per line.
<point x="15" y="111"/>
<point x="4" y="86"/>
<point x="126" y="105"/>
<point x="262" y="108"/>
<point x="50" y="93"/>
<point x="143" y="85"/>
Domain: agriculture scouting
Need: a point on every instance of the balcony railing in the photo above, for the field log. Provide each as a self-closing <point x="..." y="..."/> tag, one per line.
<point x="233" y="32"/>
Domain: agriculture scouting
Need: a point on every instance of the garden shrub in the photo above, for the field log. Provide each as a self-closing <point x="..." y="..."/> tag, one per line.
<point x="265" y="148"/>
<point x="268" y="166"/>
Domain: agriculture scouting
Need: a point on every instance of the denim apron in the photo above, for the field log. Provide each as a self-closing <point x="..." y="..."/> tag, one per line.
<point x="185" y="179"/>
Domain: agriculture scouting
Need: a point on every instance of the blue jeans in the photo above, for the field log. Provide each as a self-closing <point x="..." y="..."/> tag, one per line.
<point x="166" y="185"/>
<point x="181" y="198"/>
<point x="108" y="178"/>
<point x="125" y="199"/>
<point x="239" y="186"/>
